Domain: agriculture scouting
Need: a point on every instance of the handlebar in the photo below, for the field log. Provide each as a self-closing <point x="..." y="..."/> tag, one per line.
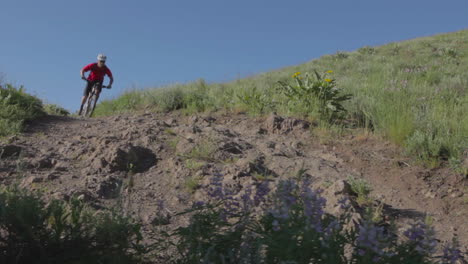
<point x="104" y="86"/>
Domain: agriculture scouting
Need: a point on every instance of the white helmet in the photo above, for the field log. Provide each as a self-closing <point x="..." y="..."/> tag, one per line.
<point x="101" y="57"/>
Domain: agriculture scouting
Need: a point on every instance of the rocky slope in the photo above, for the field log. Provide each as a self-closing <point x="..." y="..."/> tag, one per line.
<point x="137" y="162"/>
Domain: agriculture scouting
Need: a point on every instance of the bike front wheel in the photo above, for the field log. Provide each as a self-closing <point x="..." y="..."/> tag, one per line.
<point x="90" y="106"/>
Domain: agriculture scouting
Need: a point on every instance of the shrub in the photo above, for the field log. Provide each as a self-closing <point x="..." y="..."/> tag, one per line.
<point x="59" y="232"/>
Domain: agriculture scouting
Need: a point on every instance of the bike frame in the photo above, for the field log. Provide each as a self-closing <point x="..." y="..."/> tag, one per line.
<point x="90" y="103"/>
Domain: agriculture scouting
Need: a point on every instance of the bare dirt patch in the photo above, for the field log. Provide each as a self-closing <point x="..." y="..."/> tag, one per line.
<point x="134" y="162"/>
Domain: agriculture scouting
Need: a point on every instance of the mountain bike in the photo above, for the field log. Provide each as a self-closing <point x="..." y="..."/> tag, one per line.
<point x="88" y="107"/>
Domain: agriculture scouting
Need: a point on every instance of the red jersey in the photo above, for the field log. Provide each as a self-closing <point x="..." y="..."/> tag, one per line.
<point x="97" y="74"/>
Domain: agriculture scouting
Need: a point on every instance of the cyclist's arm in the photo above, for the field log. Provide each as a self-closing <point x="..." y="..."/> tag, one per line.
<point x="82" y="73"/>
<point x="85" y="69"/>
<point x="109" y="73"/>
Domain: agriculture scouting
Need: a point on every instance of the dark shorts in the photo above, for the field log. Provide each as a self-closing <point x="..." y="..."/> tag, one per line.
<point x="89" y="86"/>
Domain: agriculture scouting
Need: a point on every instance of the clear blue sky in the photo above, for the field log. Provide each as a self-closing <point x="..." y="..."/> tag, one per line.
<point x="45" y="43"/>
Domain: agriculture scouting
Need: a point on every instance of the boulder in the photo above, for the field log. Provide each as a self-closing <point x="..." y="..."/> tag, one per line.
<point x="275" y="124"/>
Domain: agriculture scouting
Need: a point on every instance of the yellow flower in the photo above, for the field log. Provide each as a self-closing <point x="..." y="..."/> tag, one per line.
<point x="296" y="74"/>
<point x="328" y="80"/>
<point x="330" y="71"/>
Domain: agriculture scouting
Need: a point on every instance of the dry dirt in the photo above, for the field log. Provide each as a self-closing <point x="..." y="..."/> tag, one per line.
<point x="137" y="161"/>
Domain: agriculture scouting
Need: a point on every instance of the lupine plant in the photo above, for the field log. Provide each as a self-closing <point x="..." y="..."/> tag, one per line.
<point x="289" y="225"/>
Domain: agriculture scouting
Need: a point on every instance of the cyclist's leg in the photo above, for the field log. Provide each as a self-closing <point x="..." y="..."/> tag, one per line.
<point x="86" y="92"/>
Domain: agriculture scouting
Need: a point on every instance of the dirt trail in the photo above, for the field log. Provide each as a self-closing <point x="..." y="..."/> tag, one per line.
<point x="137" y="161"/>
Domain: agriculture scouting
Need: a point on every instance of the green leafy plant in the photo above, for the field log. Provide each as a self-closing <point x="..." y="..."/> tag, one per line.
<point x="362" y="188"/>
<point x="319" y="94"/>
<point x="192" y="183"/>
<point x="255" y="100"/>
<point x="193" y="164"/>
<point x="63" y="232"/>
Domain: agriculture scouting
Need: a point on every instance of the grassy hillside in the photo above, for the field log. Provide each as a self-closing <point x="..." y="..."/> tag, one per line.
<point x="414" y="93"/>
<point x="17" y="106"/>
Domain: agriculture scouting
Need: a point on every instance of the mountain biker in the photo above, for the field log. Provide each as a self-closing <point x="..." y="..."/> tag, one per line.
<point x="98" y="71"/>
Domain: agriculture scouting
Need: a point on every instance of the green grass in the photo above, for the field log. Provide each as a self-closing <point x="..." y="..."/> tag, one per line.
<point x="53" y="109"/>
<point x="193" y="183"/>
<point x="16" y="107"/>
<point x="413" y="93"/>
<point x="202" y="151"/>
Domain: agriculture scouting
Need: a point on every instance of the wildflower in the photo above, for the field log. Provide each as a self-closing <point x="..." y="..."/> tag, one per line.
<point x="330" y="71"/>
<point x="285" y="199"/>
<point x="332" y="228"/>
<point x="198" y="204"/>
<point x="160" y="205"/>
<point x="261" y="191"/>
<point x="452" y="254"/>
<point x="422" y="236"/>
<point x="313" y="206"/>
<point x="276" y="226"/>
<point x="296" y="74"/>
<point x="246" y="201"/>
<point x="372" y="239"/>
<point x="215" y="189"/>
<point x="328" y="80"/>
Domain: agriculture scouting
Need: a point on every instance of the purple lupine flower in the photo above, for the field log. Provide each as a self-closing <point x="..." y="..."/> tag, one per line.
<point x="261" y="192"/>
<point x="285" y="199"/>
<point x="246" y="200"/>
<point x="231" y="207"/>
<point x="160" y="205"/>
<point x="372" y="239"/>
<point x="215" y="188"/>
<point x="286" y="191"/>
<point x="332" y="227"/>
<point x="313" y="206"/>
<point x="198" y="204"/>
<point x="276" y="225"/>
<point x="423" y="237"/>
<point x="452" y="254"/>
